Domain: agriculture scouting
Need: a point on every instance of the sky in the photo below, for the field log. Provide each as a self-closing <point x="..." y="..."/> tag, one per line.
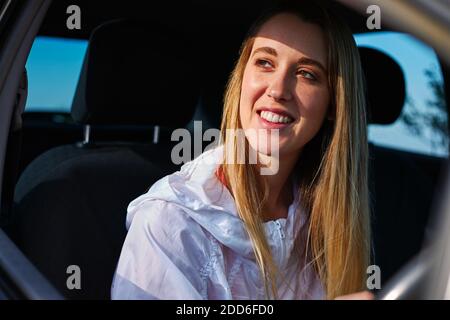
<point x="54" y="66"/>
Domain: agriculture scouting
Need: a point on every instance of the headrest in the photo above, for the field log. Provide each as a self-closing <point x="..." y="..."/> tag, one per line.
<point x="136" y="73"/>
<point x="385" y="86"/>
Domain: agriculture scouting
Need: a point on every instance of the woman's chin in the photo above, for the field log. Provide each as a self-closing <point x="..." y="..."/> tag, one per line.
<point x="269" y="149"/>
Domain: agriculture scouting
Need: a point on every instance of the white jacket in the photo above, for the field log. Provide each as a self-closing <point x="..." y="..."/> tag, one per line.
<point x="186" y="241"/>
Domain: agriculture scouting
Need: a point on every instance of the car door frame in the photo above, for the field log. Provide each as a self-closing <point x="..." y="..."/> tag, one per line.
<point x="21" y="20"/>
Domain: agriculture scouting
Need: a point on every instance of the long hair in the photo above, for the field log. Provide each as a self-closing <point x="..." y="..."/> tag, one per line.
<point x="331" y="171"/>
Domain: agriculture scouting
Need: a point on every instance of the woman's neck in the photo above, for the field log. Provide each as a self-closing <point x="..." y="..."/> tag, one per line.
<point x="280" y="189"/>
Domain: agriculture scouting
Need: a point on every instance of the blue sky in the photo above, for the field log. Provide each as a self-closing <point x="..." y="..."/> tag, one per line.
<point x="54" y="66"/>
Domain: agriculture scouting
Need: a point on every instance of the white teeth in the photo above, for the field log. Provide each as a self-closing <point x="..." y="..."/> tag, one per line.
<point x="276" y="118"/>
<point x="273" y="117"/>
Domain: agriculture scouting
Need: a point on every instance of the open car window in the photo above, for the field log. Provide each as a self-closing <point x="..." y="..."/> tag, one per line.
<point x="72" y="175"/>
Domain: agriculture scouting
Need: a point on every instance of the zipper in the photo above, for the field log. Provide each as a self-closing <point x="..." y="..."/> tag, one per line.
<point x="280" y="229"/>
<point x="282" y="242"/>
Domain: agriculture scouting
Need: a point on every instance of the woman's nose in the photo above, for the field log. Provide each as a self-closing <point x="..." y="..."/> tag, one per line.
<point x="279" y="87"/>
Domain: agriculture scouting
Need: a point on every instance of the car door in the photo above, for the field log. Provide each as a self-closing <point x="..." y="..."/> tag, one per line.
<point x="19" y="23"/>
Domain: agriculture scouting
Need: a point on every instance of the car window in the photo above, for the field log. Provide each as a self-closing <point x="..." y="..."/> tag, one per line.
<point x="422" y="126"/>
<point x="53" y="68"/>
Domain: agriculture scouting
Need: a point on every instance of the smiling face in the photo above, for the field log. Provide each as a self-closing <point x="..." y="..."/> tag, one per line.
<point x="285" y="84"/>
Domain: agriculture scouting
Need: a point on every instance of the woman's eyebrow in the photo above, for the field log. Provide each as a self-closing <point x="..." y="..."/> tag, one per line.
<point x="311" y="62"/>
<point x="267" y="50"/>
<point x="302" y="60"/>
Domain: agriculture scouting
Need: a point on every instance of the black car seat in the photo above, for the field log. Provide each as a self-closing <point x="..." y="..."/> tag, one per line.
<point x="401" y="190"/>
<point x="71" y="201"/>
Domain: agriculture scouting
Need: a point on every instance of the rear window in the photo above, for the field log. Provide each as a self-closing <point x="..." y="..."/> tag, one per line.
<point x="53" y="68"/>
<point x="423" y="125"/>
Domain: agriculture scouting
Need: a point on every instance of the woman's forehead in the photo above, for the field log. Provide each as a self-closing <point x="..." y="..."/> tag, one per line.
<point x="286" y="32"/>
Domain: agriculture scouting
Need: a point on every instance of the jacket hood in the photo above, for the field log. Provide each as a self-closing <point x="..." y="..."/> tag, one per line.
<point x="197" y="190"/>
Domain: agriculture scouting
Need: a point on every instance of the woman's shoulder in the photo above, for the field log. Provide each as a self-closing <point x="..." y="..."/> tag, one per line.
<point x="163" y="217"/>
<point x="164" y="253"/>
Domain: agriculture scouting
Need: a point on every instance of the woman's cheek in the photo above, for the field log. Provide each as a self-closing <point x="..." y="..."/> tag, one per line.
<point x="314" y="104"/>
<point x="251" y="92"/>
<point x="257" y="83"/>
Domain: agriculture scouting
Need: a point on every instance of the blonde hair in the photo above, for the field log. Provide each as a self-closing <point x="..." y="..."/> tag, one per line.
<point x="331" y="171"/>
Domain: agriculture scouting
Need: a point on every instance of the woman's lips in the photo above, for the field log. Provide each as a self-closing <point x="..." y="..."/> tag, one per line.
<point x="274" y="120"/>
<point x="272" y="125"/>
<point x="277" y="111"/>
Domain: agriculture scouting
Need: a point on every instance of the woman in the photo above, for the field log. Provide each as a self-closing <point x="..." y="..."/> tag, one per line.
<point x="219" y="228"/>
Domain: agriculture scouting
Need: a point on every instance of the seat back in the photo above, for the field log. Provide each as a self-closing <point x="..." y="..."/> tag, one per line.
<point x="71" y="201"/>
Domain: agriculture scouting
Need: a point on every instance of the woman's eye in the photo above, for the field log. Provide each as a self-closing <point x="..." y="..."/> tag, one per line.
<point x="263" y="63"/>
<point x="307" y="75"/>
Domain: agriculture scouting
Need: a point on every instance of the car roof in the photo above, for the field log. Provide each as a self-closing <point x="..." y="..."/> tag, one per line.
<point x="234" y="16"/>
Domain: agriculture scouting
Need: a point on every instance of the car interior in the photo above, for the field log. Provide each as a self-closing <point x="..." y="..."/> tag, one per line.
<point x="147" y="72"/>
